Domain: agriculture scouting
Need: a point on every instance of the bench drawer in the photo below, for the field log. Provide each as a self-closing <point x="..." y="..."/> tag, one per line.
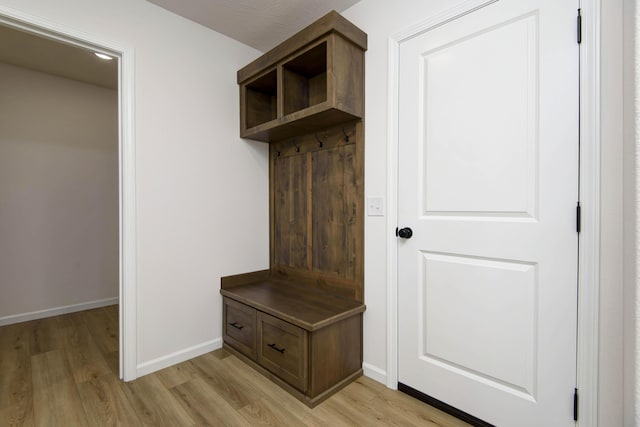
<point x="239" y="328"/>
<point x="283" y="350"/>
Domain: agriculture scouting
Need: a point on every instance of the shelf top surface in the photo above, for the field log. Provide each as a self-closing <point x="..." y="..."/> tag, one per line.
<point x="303" y="306"/>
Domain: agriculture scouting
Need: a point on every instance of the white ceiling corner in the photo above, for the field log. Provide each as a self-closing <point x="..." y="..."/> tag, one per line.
<point x="261" y="24"/>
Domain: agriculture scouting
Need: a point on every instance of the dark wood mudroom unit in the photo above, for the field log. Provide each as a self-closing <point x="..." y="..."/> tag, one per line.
<point x="300" y="321"/>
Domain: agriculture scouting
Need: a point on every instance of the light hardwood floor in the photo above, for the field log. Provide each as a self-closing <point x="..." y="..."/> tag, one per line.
<point x="63" y="371"/>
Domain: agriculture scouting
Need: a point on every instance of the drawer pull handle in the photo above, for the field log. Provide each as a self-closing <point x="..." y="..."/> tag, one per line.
<point x="237" y="325"/>
<point x="276" y="348"/>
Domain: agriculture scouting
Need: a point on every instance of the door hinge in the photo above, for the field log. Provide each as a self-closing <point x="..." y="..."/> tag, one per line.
<point x="575" y="404"/>
<point x="578" y="218"/>
<point x="579" y="26"/>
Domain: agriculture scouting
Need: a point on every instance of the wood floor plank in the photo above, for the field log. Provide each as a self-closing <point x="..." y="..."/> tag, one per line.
<point x="177" y="374"/>
<point x="44" y="336"/>
<point x="63" y="371"/>
<point x="415" y="411"/>
<point x="221" y="353"/>
<point x="16" y="392"/>
<point x="346" y="412"/>
<point x="75" y="332"/>
<point x="106" y="403"/>
<point x="113" y="312"/>
<point x="56" y="401"/>
<point x="113" y="362"/>
<point x="206" y="406"/>
<point x="154" y="404"/>
<point x="15" y="416"/>
<point x="309" y="417"/>
<point x="235" y="392"/>
<point x="263" y="412"/>
<point x="86" y="363"/>
<point x="359" y="397"/>
<point x="14" y="346"/>
<point x="104" y="331"/>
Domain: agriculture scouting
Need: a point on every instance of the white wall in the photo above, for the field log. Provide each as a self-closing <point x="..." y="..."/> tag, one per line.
<point x="380" y="20"/>
<point x="58" y="192"/>
<point x="202" y="193"/>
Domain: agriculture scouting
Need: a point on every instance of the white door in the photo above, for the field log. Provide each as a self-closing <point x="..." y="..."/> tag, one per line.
<point x="488" y="178"/>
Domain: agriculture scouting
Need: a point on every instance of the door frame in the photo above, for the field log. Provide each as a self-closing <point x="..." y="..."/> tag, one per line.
<point x="589" y="249"/>
<point x="126" y="164"/>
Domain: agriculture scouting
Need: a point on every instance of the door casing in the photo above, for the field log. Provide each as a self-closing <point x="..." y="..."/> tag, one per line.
<point x="589" y="251"/>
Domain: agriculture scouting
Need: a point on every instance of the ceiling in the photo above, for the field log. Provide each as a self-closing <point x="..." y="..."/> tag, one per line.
<point x="261" y="24"/>
<point x="49" y="56"/>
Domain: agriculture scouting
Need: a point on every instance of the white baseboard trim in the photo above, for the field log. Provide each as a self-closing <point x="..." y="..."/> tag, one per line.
<point x="374" y="373"/>
<point x="56" y="311"/>
<point x="177" y="357"/>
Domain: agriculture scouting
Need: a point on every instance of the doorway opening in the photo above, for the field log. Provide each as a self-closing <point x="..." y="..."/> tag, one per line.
<point x="117" y="262"/>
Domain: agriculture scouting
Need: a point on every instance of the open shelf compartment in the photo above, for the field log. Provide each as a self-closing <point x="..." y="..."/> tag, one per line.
<point x="261" y="99"/>
<point x="305" y="79"/>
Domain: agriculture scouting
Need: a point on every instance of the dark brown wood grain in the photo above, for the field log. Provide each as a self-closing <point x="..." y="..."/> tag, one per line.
<point x="283" y="349"/>
<point x="290" y="211"/>
<point x="348" y="77"/>
<point x="331" y="22"/>
<point x="239" y="326"/>
<point x="259" y="100"/>
<point x="335" y="353"/>
<point x="245" y="278"/>
<point x="303" y="306"/>
<point x="306" y="97"/>
<point x="334" y="211"/>
<point x="313" y="119"/>
<point x="318" y="85"/>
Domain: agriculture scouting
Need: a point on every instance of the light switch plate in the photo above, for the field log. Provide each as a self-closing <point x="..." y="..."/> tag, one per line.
<point x="375" y="206"/>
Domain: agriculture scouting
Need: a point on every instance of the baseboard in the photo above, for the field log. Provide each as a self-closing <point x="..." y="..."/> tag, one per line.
<point x="56" y="311"/>
<point x="374" y="373"/>
<point x="177" y="357"/>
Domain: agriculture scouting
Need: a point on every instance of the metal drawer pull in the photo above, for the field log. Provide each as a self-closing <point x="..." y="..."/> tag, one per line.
<point x="237" y="325"/>
<point x="276" y="348"/>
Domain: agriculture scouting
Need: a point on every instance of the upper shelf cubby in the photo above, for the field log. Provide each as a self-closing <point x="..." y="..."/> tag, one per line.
<point x="309" y="82"/>
<point x="305" y="79"/>
<point x="261" y="95"/>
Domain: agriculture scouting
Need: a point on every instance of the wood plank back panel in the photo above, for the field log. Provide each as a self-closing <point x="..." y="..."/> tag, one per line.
<point x="317" y="201"/>
<point x="334" y="213"/>
<point x="290" y="212"/>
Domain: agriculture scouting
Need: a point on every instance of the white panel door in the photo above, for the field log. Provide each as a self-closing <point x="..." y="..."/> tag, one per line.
<point x="488" y="178"/>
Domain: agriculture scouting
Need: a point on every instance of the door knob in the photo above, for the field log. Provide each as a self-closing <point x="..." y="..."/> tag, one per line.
<point x="404" y="233"/>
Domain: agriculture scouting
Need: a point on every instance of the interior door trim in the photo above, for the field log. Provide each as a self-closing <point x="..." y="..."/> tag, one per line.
<point x="589" y="255"/>
<point x="126" y="162"/>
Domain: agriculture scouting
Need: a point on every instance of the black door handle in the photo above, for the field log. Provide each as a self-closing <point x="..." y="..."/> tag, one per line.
<point x="404" y="233"/>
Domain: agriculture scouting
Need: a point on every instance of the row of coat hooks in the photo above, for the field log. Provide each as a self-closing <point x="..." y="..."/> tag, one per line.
<point x="319" y="140"/>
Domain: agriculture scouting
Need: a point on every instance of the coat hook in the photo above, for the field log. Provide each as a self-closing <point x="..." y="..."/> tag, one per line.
<point x="320" y="143"/>
<point x="346" y="137"/>
<point x="296" y="145"/>
<point x="278" y="154"/>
